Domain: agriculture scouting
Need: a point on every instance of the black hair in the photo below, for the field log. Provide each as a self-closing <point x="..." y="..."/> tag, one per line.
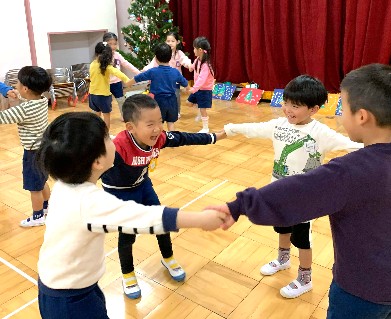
<point x="305" y="90"/>
<point x="104" y="55"/>
<point x="163" y="52"/>
<point x="134" y="104"/>
<point x="71" y="144"/>
<point x="369" y="88"/>
<point x="109" y="35"/>
<point x="35" y="78"/>
<point x="176" y="36"/>
<point x="203" y="43"/>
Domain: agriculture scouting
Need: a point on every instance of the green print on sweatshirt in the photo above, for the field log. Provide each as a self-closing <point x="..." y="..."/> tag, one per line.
<point x="280" y="169"/>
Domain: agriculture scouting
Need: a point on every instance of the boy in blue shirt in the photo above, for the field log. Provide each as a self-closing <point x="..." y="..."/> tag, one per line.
<point x="163" y="84"/>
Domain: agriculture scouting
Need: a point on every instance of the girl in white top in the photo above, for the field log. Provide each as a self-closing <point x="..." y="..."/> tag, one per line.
<point x="76" y="150"/>
<point x="118" y="61"/>
<point x="178" y="59"/>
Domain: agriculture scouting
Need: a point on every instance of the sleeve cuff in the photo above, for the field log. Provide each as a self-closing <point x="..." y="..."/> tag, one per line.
<point x="234" y="209"/>
<point x="169" y="219"/>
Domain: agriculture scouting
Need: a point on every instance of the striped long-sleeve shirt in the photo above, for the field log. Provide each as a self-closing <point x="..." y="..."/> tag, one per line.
<point x="72" y="255"/>
<point x="32" y="120"/>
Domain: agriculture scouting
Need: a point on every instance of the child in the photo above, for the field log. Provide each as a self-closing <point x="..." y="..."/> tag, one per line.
<point x="8" y="91"/>
<point x="137" y="149"/>
<point x="163" y="84"/>
<point x="300" y="144"/>
<point x="118" y="61"/>
<point x="354" y="190"/>
<point x="201" y="92"/>
<point x="178" y="58"/>
<point x="31" y="116"/>
<point x="100" y="71"/>
<point x="76" y="150"/>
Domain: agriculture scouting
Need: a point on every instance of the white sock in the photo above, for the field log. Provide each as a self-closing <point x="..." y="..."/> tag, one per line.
<point x="205" y="122"/>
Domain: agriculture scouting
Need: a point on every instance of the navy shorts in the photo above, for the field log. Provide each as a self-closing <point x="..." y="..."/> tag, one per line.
<point x="81" y="303"/>
<point x="33" y="178"/>
<point x="168" y="105"/>
<point x="202" y="97"/>
<point x="300" y="234"/>
<point x="117" y="90"/>
<point x="100" y="103"/>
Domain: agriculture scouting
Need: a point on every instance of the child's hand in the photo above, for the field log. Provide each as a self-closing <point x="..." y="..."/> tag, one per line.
<point x="220" y="135"/>
<point x="13" y="94"/>
<point x="212" y="219"/>
<point x="228" y="221"/>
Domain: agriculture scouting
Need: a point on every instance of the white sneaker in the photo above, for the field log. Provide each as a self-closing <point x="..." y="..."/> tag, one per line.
<point x="30" y="222"/>
<point x="274" y="266"/>
<point x="131" y="288"/>
<point x="197" y="118"/>
<point x="204" y="130"/>
<point x="298" y="290"/>
<point x="176" y="271"/>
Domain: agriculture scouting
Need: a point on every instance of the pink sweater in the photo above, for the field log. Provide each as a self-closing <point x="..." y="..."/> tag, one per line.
<point x="203" y="77"/>
<point x="176" y="62"/>
<point x="119" y="61"/>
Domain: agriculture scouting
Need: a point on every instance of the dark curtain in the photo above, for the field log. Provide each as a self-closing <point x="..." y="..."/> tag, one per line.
<point x="270" y="42"/>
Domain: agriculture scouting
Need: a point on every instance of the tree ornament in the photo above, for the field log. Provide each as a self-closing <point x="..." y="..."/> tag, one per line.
<point x="167" y="1"/>
<point x="136" y="49"/>
<point x="132" y="17"/>
<point x="169" y="20"/>
<point x="164" y="11"/>
<point x="138" y="18"/>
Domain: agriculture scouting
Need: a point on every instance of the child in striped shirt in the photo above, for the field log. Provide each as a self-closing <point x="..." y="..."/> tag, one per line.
<point x="31" y="116"/>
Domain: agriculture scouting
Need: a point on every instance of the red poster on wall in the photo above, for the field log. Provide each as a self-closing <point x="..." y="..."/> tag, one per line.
<point x="249" y="96"/>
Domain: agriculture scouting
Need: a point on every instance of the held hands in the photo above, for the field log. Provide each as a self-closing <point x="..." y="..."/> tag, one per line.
<point x="212" y="219"/>
<point x="220" y="135"/>
<point x="13" y="94"/>
<point x="228" y="220"/>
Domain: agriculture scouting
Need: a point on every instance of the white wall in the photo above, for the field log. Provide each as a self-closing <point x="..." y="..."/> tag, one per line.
<point x="51" y="16"/>
<point x="73" y="48"/>
<point x="15" y="48"/>
<point x="122" y="21"/>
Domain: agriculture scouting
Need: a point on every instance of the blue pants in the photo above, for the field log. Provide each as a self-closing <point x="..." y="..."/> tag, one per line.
<point x="71" y="303"/>
<point x="343" y="305"/>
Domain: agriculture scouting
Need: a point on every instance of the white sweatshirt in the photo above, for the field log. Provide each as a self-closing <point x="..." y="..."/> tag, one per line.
<point x="72" y="255"/>
<point x="297" y="148"/>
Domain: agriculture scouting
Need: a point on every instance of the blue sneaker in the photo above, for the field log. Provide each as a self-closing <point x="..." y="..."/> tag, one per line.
<point x="176" y="271"/>
<point x="131" y="288"/>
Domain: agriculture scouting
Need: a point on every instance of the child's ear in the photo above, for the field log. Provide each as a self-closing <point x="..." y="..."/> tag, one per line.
<point x="130" y="126"/>
<point x="315" y="109"/>
<point x="97" y="165"/>
<point x="363" y="116"/>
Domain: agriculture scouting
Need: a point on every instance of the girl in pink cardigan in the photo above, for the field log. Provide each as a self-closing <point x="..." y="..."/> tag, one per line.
<point x="201" y="92"/>
<point x="178" y="59"/>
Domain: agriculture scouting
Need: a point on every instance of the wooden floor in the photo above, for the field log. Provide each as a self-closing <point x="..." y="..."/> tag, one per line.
<point x="223" y="278"/>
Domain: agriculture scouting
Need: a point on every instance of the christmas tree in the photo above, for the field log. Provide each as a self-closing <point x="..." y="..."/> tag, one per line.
<point x="151" y="20"/>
